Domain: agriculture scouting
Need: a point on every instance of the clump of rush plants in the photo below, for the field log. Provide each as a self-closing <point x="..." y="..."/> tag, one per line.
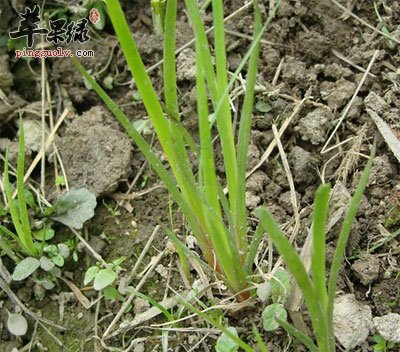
<point x="218" y="222"/>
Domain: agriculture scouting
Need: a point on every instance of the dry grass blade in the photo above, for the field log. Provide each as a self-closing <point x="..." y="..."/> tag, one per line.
<point x="16" y="300"/>
<point x="390" y="138"/>
<point x="351" y="157"/>
<point x="325" y="148"/>
<point x="365" y="23"/>
<point x="282" y="129"/>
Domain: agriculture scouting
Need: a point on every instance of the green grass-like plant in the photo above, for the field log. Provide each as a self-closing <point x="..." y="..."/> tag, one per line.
<point x="18" y="207"/>
<point x="318" y="295"/>
<point x="218" y="222"/>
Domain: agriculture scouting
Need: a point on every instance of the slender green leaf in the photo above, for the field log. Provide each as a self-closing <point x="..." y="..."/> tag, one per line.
<point x="153" y="302"/>
<point x="216" y="88"/>
<point x="260" y="342"/>
<point x="178" y="160"/>
<point x="4" y="245"/>
<point x="299" y="335"/>
<point x="170" y="89"/>
<point x="342" y="241"/>
<point x="23" y="239"/>
<point x="252" y="249"/>
<point x="318" y="260"/>
<point x="299" y="272"/>
<point x="155" y="162"/>
<point x="23" y="209"/>
<point x="244" y="136"/>
<point x="207" y="163"/>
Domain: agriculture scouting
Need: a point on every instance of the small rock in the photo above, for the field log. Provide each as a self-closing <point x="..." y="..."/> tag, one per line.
<point x="139" y="347"/>
<point x="140" y="305"/>
<point x="301" y="162"/>
<point x="366" y="268"/>
<point x="314" y="126"/>
<point x="337" y="94"/>
<point x="314" y="45"/>
<point x="252" y="200"/>
<point x="338" y="206"/>
<point x="355" y="109"/>
<point x="352" y="321"/>
<point x="6" y="78"/>
<point x="186" y="69"/>
<point x="285" y="200"/>
<point x="33" y="135"/>
<point x="162" y="270"/>
<point x="39" y="292"/>
<point x="376" y="103"/>
<point x="295" y="71"/>
<point x="97" y="244"/>
<point x="388" y="327"/>
<point x="337" y="71"/>
<point x="191" y="242"/>
<point x="257" y="181"/>
<point x="253" y="156"/>
<point x="382" y="171"/>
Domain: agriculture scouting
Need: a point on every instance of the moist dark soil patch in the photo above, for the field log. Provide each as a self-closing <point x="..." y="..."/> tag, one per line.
<point x="312" y="49"/>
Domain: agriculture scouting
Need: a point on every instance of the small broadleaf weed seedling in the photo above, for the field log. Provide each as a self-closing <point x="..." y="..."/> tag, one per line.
<point x="318" y="295"/>
<point x="225" y="343"/>
<point x="30" y="248"/>
<point x="103" y="275"/>
<point x="277" y="290"/>
<point x="381" y="345"/>
<point x="218" y="222"/>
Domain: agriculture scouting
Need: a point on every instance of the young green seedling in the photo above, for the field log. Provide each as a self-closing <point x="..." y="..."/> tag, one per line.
<point x="319" y="296"/>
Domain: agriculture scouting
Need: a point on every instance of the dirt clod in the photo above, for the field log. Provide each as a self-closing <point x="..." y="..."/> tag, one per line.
<point x="301" y="162"/>
<point x="337" y="94"/>
<point x="388" y="327"/>
<point x="6" y="78"/>
<point x="352" y="321"/>
<point x="314" y="125"/>
<point x="376" y="103"/>
<point x="95" y="155"/>
<point x="366" y="268"/>
<point x="186" y="70"/>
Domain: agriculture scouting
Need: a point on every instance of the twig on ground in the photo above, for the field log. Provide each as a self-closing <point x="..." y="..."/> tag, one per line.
<point x="390" y="138"/>
<point x="96" y="255"/>
<point x="351" y="63"/>
<point x="142" y="255"/>
<point x="365" y="23"/>
<point x="43" y="150"/>
<point x="348" y="106"/>
<point x="129" y="300"/>
<point x="283" y="128"/>
<point x="27" y="311"/>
